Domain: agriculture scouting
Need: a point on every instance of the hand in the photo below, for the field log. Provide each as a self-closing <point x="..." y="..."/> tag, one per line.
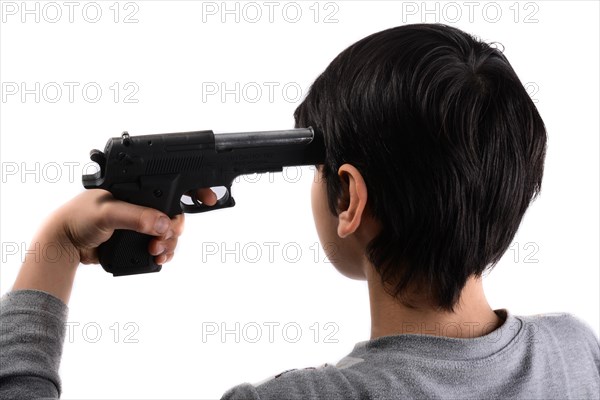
<point x="77" y="228"/>
<point x="90" y="219"/>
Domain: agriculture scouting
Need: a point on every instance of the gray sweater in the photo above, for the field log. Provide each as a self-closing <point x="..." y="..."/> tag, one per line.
<point x="533" y="357"/>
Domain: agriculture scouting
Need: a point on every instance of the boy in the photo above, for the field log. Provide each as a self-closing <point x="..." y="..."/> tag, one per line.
<point x="434" y="151"/>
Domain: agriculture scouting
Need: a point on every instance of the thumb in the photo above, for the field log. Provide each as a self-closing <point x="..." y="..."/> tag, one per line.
<point x="123" y="215"/>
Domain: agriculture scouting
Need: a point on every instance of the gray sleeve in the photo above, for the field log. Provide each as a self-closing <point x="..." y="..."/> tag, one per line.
<point x="32" y="332"/>
<point x="590" y="340"/>
<point x="245" y="391"/>
<point x="325" y="382"/>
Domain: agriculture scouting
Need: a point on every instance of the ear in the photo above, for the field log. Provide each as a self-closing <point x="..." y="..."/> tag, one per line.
<point x="354" y="200"/>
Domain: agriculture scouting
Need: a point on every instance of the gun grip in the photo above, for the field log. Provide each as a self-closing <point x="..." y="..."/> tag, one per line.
<point x="126" y="253"/>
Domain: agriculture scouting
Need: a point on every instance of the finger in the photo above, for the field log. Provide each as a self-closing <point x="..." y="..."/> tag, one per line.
<point x="157" y="247"/>
<point x="176" y="229"/>
<point x="121" y="215"/>
<point x="206" y="196"/>
<point x="164" y="258"/>
<point x="160" y="260"/>
<point x="168" y="241"/>
<point x="177" y="225"/>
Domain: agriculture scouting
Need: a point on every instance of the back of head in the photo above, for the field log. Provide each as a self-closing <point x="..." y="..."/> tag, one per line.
<point x="449" y="143"/>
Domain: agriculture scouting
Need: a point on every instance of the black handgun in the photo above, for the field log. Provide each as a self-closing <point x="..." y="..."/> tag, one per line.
<point x="157" y="170"/>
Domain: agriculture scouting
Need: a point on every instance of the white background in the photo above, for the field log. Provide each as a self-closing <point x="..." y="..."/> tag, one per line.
<point x="173" y="51"/>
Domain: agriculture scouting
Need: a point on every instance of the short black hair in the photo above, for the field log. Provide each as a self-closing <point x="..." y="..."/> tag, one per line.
<point x="449" y="143"/>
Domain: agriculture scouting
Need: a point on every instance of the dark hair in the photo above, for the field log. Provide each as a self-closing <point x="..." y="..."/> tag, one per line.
<point x="449" y="143"/>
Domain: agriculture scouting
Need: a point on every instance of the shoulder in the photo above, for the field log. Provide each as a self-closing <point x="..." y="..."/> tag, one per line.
<point x="559" y="323"/>
<point x="564" y="329"/>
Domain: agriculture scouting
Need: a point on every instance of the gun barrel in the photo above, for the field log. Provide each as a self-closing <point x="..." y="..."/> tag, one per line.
<point x="242" y="140"/>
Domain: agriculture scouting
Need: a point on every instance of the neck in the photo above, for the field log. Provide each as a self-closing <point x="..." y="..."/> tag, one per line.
<point x="473" y="317"/>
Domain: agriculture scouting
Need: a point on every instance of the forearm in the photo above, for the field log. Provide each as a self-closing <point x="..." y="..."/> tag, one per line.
<point x="50" y="266"/>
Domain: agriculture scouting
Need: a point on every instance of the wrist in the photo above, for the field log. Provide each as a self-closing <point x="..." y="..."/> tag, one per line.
<point x="53" y="248"/>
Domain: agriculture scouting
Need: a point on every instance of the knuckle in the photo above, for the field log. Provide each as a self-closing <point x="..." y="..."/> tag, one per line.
<point x="144" y="222"/>
<point x="103" y="218"/>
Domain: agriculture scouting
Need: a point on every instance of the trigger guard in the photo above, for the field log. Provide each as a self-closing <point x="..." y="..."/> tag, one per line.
<point x="220" y="202"/>
<point x="224" y="202"/>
